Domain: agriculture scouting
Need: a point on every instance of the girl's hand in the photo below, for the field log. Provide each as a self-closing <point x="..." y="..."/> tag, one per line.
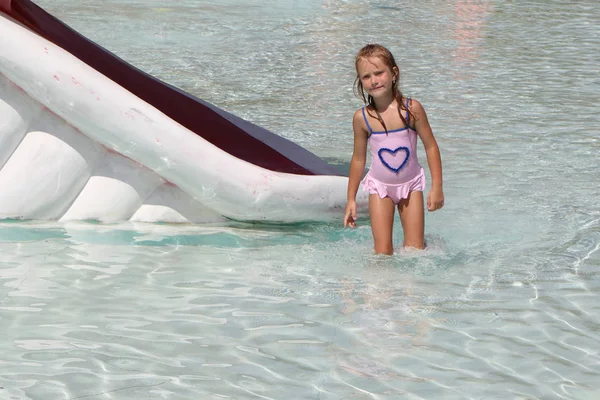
<point x="435" y="199"/>
<point x="350" y="215"/>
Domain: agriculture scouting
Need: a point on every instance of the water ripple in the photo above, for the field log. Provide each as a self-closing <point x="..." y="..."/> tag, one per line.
<point x="501" y="305"/>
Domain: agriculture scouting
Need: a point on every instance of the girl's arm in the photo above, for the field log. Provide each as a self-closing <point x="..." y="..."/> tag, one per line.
<point x="435" y="198"/>
<point x="357" y="167"/>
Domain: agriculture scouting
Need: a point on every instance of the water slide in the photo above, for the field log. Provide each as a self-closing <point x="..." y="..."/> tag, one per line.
<point x="86" y="136"/>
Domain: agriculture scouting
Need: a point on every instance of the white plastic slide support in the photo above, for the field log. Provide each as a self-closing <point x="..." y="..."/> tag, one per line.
<point x="16" y="111"/>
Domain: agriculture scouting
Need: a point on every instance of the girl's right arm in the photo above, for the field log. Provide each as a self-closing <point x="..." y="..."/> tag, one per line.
<point x="357" y="167"/>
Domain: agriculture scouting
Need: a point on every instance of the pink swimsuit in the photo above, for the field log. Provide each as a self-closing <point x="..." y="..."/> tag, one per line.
<point x="395" y="170"/>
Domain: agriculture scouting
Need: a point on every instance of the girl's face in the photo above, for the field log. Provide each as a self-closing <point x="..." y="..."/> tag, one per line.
<point x="376" y="77"/>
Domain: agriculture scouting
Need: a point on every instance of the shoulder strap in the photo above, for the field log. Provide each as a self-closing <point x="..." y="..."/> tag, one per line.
<point x="366" y="122"/>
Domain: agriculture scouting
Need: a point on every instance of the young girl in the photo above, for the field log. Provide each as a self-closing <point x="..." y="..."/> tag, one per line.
<point x="390" y="123"/>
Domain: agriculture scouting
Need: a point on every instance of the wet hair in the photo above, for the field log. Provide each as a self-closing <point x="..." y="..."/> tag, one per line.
<point x="377" y="50"/>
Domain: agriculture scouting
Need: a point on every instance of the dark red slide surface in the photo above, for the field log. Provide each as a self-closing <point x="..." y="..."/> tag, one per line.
<point x="230" y="133"/>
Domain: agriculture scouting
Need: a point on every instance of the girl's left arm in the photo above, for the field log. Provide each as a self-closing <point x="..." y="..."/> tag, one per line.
<point x="435" y="198"/>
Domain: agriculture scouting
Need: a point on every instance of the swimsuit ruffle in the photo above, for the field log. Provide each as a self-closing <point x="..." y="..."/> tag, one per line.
<point x="395" y="192"/>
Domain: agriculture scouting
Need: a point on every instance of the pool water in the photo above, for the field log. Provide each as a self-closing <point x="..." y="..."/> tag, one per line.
<point x="502" y="304"/>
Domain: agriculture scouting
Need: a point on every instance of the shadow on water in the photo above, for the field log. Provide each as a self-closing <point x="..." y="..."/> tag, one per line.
<point x="222" y="235"/>
<point x="346" y="244"/>
<point x="12" y="231"/>
<point x="322" y="244"/>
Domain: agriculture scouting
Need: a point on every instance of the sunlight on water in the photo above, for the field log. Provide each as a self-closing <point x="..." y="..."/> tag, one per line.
<point x="502" y="304"/>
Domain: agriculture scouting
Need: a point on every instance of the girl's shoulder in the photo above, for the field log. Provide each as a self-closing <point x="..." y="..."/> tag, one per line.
<point x="359" y="121"/>
<point x="413" y="104"/>
<point x="359" y="115"/>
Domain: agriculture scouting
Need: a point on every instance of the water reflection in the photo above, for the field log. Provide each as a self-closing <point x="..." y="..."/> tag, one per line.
<point x="468" y="31"/>
<point x="386" y="311"/>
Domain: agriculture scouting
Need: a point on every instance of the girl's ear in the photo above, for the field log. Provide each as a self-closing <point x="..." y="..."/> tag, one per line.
<point x="396" y="72"/>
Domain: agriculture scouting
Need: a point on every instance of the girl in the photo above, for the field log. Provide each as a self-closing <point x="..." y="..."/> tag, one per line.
<point x="390" y="124"/>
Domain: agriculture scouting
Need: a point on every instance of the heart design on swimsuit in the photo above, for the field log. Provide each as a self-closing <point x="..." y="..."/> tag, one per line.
<point x="398" y="156"/>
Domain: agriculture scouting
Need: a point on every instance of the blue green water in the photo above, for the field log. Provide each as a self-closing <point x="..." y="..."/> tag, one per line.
<point x="503" y="303"/>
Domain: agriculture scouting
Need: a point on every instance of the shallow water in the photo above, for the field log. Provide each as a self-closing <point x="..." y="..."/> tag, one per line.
<point x="501" y="305"/>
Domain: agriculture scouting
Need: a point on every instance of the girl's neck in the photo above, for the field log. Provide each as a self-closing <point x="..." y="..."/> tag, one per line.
<point x="382" y="104"/>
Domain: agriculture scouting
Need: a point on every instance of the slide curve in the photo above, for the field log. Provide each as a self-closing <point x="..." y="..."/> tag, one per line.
<point x="86" y="136"/>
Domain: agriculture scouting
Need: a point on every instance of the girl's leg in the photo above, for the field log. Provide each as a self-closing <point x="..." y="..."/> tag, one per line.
<point x="382" y="222"/>
<point x="412" y="216"/>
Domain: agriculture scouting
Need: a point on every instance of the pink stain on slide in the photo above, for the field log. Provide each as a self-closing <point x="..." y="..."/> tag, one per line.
<point x="57" y="78"/>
